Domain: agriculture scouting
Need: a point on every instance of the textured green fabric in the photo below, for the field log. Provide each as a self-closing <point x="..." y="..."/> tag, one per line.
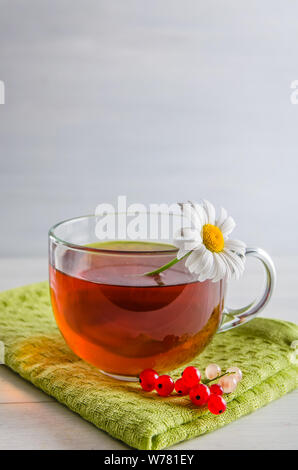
<point x="35" y="349"/>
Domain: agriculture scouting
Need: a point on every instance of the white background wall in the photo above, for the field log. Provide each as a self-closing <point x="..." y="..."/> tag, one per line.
<point x="162" y="101"/>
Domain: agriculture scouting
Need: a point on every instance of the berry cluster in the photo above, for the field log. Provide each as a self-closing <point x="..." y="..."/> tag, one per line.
<point x="190" y="384"/>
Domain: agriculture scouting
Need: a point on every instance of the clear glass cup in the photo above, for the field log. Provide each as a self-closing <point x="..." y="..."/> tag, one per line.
<point x="122" y="321"/>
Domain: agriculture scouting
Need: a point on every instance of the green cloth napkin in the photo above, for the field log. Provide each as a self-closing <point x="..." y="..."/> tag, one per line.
<point x="35" y="349"/>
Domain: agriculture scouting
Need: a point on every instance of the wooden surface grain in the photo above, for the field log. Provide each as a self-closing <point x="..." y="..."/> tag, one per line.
<point x="29" y="419"/>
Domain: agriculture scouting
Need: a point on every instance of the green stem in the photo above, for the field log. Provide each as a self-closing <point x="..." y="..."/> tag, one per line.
<point x="165" y="266"/>
<point x="206" y="382"/>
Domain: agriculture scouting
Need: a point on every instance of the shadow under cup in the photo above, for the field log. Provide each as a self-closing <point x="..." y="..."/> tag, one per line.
<point x="119" y="320"/>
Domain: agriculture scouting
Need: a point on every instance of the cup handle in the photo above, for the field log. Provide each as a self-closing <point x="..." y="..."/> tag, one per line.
<point x="245" y="314"/>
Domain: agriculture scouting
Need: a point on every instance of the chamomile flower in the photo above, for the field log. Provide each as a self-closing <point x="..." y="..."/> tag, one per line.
<point x="210" y="253"/>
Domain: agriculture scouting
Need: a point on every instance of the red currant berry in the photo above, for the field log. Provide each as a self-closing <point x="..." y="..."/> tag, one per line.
<point x="147" y="379"/>
<point x="216" y="404"/>
<point x="216" y="389"/>
<point x="191" y="376"/>
<point x="199" y="394"/>
<point x="164" y="385"/>
<point x="181" y="388"/>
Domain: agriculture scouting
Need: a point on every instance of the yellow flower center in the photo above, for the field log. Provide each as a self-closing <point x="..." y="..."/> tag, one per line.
<point x="213" y="238"/>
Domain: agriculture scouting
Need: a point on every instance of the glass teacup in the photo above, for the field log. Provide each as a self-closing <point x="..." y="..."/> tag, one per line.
<point x="122" y="321"/>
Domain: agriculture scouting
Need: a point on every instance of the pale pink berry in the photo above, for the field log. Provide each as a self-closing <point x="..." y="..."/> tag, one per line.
<point x="228" y="383"/>
<point x="212" y="371"/>
<point x="237" y="373"/>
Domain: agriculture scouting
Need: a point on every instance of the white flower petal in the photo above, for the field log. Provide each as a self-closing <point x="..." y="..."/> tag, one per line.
<point x="205" y="265"/>
<point x="236" y="245"/>
<point x="227" y="226"/>
<point x="187" y="234"/>
<point x="204" y="276"/>
<point x="182" y="252"/>
<point x="206" y="273"/>
<point x="182" y="247"/>
<point x="206" y="262"/>
<point x="239" y="260"/>
<point x="229" y="268"/>
<point x="187" y="240"/>
<point x="235" y="272"/>
<point x="191" y="234"/>
<point x="216" y="266"/>
<point x="236" y="262"/>
<point x="192" y="245"/>
<point x="190" y="259"/>
<point x="213" y="270"/>
<point x="221" y="268"/>
<point x="200" y="248"/>
<point x="194" y="260"/>
<point x="195" y="255"/>
<point x="222" y="217"/>
<point x="210" y="211"/>
<point x="187" y="248"/>
<point x="179" y="241"/>
<point x="190" y="213"/>
<point x="200" y="212"/>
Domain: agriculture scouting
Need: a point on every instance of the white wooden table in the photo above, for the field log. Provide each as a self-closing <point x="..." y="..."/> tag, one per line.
<point x="29" y="419"/>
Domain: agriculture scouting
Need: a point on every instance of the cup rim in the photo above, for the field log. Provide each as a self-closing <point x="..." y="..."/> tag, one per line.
<point x="78" y="247"/>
